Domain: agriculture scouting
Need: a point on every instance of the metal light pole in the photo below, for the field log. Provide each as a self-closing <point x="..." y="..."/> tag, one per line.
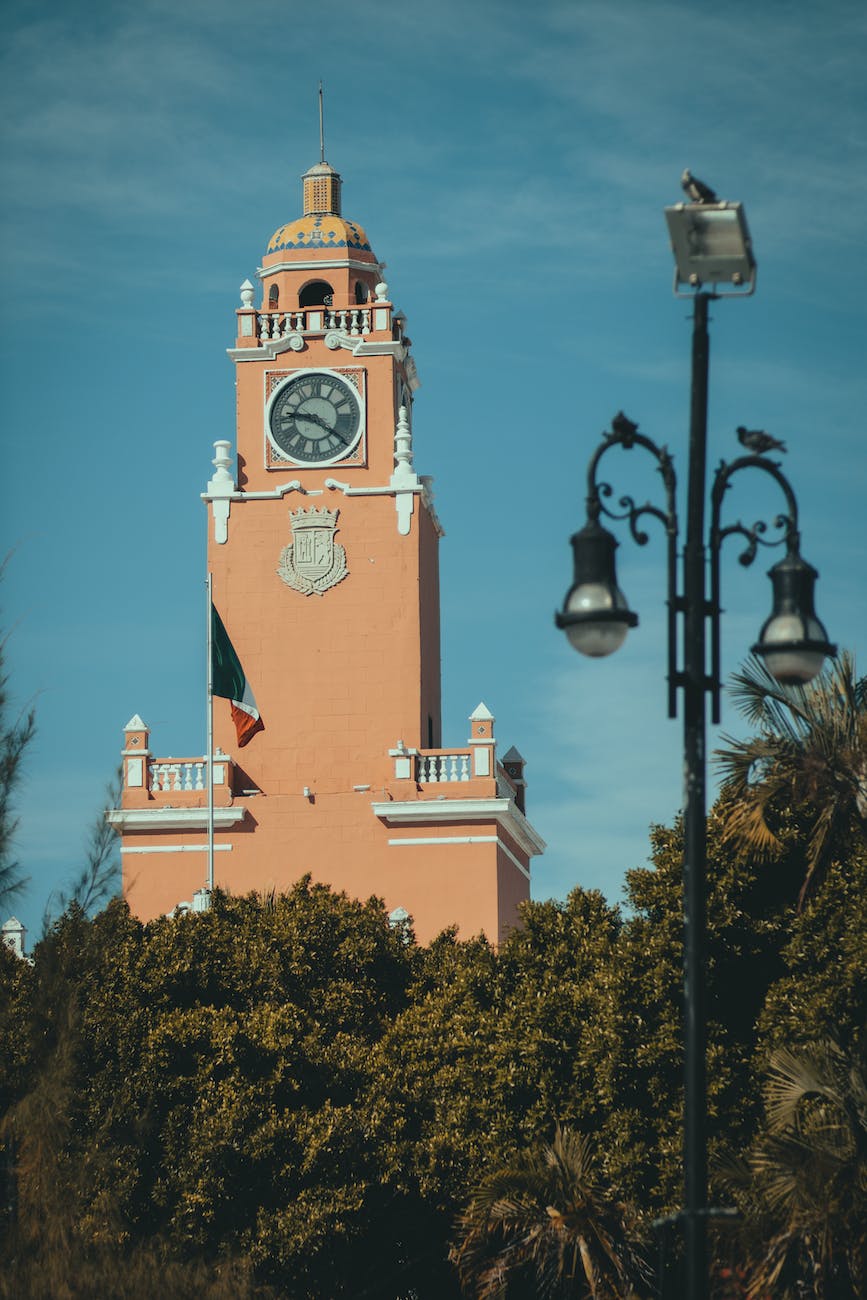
<point x="712" y="247"/>
<point x="695" y="820"/>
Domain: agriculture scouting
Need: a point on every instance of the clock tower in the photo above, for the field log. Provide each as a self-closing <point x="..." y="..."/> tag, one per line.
<point x="323" y="554"/>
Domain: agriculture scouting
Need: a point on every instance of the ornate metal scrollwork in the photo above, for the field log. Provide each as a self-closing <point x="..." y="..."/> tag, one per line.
<point x="624" y="433"/>
<point x="785" y="524"/>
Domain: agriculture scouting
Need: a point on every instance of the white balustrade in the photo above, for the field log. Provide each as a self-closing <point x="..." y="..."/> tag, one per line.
<point x="185" y="774"/>
<point x="355" y="322"/>
<point x="434" y="768"/>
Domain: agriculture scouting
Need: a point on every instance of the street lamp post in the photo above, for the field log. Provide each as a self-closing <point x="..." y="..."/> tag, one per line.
<point x="712" y="248"/>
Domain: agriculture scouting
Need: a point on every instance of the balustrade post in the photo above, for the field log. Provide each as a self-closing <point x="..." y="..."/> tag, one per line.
<point x="481" y="741"/>
<point x="135" y="756"/>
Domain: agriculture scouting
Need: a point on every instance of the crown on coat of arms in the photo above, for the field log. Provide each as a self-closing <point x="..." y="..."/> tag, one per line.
<point x="313" y="518"/>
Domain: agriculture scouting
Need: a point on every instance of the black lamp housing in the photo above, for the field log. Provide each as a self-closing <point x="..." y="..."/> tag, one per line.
<point x="793" y="642"/>
<point x="595" y="615"/>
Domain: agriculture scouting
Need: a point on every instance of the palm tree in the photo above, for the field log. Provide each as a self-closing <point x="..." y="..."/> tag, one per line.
<point x="810" y="753"/>
<point x="810" y="1175"/>
<point x="547" y="1226"/>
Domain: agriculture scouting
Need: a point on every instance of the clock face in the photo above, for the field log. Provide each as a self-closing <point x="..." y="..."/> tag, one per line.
<point x="315" y="417"/>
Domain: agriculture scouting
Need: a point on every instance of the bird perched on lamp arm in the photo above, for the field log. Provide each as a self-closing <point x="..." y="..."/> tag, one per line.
<point x="756" y="440"/>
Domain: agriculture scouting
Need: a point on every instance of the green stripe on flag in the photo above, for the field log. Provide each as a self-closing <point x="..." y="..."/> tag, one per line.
<point x="227" y="675"/>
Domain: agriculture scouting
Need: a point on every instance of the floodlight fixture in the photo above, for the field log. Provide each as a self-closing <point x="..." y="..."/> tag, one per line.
<point x="712" y="247"/>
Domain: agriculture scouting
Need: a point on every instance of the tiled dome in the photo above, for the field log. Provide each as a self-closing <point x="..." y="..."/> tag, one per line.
<point x="319" y="230"/>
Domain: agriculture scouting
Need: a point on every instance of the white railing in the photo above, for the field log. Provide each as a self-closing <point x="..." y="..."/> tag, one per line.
<point x="180" y="774"/>
<point x="453" y="765"/>
<point x="281" y="324"/>
<point x="185" y="774"/>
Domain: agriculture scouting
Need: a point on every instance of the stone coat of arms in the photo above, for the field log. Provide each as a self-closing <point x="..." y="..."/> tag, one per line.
<point x="313" y="561"/>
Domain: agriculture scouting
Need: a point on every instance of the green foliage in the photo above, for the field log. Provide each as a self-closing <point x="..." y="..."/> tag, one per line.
<point x="195" y="1081"/>
<point x="291" y="1084"/>
<point x="546" y="1225"/>
<point x="822" y="988"/>
<point x="492" y="1045"/>
<point x="803" y="1185"/>
<point x="137" y="1274"/>
<point x="809" y="753"/>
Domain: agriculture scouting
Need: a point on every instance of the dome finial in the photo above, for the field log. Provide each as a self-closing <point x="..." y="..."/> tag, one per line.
<point x="321" y="183"/>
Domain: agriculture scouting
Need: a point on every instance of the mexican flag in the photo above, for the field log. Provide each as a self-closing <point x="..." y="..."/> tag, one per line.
<point x="228" y="681"/>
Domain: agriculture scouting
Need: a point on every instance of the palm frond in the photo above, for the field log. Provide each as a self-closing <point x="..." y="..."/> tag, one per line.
<point x="809" y="753"/>
<point x="765" y="704"/>
<point x="795" y="1075"/>
<point x="810" y="1172"/>
<point x="547" y="1214"/>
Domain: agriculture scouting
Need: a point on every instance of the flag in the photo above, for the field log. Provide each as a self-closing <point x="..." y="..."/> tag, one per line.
<point x="228" y="681"/>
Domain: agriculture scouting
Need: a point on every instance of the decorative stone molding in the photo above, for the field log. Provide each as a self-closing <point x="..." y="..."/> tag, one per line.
<point x="481" y="740"/>
<point x="404" y="480"/>
<point x="403" y="761"/>
<point x="438" y="812"/>
<point x="173" y="819"/>
<point x="221" y="492"/>
<point x="221" y="489"/>
<point x="331" y="263"/>
<point x="135" y="754"/>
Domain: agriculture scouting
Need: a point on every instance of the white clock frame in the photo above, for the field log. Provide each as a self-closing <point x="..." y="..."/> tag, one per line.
<point x="358" y="395"/>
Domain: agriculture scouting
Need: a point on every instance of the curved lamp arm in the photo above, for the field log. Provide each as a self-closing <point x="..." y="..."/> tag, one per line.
<point x="793" y="630"/>
<point x="624" y="433"/>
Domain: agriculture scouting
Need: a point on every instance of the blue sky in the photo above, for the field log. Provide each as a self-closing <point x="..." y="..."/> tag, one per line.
<point x="510" y="163"/>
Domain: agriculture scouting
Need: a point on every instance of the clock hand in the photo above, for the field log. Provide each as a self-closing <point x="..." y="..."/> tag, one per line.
<point x="312" y="418"/>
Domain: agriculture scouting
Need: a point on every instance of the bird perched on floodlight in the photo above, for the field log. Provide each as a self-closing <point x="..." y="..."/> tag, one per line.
<point x="756" y="440"/>
<point x="696" y="190"/>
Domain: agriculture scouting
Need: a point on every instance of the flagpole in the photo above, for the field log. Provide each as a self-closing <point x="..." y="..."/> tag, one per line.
<point x="210" y="735"/>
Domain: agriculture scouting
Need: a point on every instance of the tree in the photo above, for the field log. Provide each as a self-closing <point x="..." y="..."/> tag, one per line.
<point x="492" y="1044"/>
<point x="810" y="754"/>
<point x="191" y="1090"/>
<point x="805" y="1199"/>
<point x="291" y="1082"/>
<point x="14" y="739"/>
<point x="546" y="1225"/>
<point x="820" y="990"/>
<point x="99" y="878"/>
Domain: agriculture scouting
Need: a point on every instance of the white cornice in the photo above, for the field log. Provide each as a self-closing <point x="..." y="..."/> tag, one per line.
<point x="173" y="819"/>
<point x="268" y="349"/>
<point x="386" y="348"/>
<point x="426" y="812"/>
<point x="351" y="262"/>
